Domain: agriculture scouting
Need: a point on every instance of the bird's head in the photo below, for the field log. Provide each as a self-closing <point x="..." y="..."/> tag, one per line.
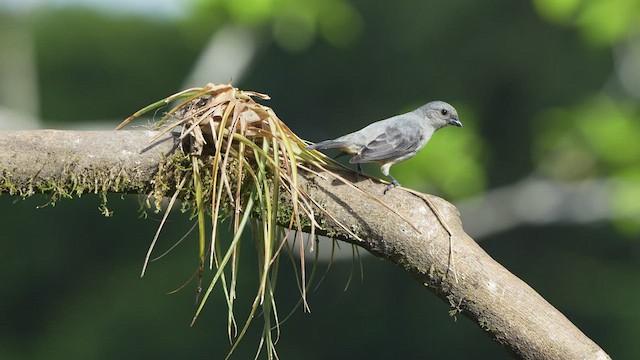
<point x="440" y="114"/>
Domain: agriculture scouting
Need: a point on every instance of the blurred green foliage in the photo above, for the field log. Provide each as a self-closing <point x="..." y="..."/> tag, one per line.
<point x="92" y="65"/>
<point x="528" y="91"/>
<point x="294" y="24"/>
<point x="602" y="22"/>
<point x="596" y="138"/>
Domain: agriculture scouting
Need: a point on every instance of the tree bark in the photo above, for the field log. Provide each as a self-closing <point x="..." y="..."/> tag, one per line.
<point x="470" y="280"/>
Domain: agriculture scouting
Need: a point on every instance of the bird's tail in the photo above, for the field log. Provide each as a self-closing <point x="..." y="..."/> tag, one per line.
<point x="327" y="144"/>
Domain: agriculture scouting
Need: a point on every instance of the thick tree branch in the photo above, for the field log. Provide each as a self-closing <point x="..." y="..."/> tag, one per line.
<point x="501" y="304"/>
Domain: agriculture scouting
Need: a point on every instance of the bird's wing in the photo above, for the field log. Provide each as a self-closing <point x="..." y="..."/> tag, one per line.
<point x="391" y="144"/>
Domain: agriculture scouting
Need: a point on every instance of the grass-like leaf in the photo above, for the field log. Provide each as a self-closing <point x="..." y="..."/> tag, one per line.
<point x="227" y="135"/>
<point x="230" y="135"/>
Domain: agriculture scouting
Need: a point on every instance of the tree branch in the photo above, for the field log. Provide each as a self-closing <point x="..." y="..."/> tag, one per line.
<point x="501" y="304"/>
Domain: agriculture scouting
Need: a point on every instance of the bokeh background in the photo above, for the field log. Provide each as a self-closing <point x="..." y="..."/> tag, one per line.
<point x="546" y="170"/>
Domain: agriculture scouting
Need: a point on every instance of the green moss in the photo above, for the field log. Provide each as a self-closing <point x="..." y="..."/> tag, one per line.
<point x="175" y="168"/>
<point x="7" y="185"/>
<point x="484" y="324"/>
<point x="285" y="211"/>
<point x="70" y="183"/>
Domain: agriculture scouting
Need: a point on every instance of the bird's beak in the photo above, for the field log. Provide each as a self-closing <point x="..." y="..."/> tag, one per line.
<point x="455" y="122"/>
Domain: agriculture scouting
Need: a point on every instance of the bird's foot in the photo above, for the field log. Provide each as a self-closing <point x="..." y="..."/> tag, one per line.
<point x="393" y="184"/>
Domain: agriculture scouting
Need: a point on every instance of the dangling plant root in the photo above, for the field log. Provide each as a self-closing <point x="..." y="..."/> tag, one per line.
<point x="229" y="136"/>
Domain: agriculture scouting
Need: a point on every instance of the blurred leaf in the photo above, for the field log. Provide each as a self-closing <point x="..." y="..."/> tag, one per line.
<point x="295" y="28"/>
<point x="602" y="22"/>
<point x="600" y="134"/>
<point x="558" y="150"/>
<point x="607" y="21"/>
<point x="340" y="23"/>
<point x="612" y="131"/>
<point x="598" y="137"/>
<point x="626" y="200"/>
<point x="294" y="23"/>
<point x="557" y="10"/>
<point x="250" y="12"/>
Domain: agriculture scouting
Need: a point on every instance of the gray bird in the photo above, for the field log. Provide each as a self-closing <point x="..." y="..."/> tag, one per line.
<point x="387" y="142"/>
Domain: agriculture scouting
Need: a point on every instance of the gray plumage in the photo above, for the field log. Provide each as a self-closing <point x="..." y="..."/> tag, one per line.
<point x="395" y="139"/>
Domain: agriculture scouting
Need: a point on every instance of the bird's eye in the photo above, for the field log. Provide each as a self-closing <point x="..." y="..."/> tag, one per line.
<point x="444" y="112"/>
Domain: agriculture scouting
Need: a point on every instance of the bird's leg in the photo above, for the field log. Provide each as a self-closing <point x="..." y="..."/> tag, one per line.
<point x="393" y="184"/>
<point x="359" y="172"/>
